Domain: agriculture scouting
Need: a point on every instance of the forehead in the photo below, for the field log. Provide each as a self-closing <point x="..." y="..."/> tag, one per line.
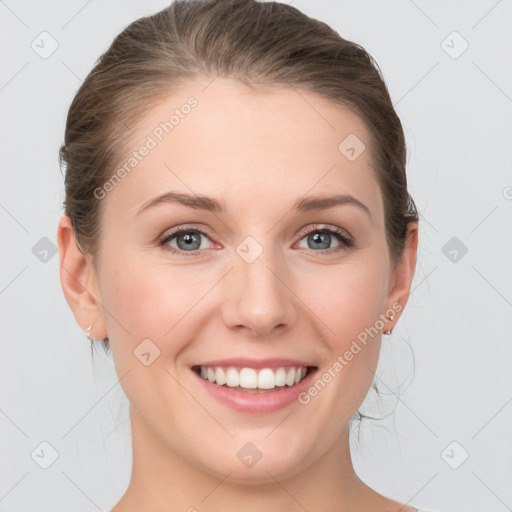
<point x="223" y="136"/>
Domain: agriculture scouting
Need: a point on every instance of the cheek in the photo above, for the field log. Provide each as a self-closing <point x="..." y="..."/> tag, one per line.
<point x="347" y="299"/>
<point x="150" y="301"/>
<point x="146" y="303"/>
<point x="133" y="299"/>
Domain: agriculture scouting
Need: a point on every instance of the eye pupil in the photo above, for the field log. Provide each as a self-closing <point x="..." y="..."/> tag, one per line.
<point x="189" y="239"/>
<point x="323" y="239"/>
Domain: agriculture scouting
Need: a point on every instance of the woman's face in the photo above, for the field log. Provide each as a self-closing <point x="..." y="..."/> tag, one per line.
<point x="245" y="286"/>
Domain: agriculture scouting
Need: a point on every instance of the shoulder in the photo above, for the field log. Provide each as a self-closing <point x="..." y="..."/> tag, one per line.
<point x="396" y="506"/>
<point x="411" y="508"/>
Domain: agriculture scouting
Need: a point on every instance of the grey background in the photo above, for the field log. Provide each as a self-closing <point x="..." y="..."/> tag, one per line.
<point x="455" y="334"/>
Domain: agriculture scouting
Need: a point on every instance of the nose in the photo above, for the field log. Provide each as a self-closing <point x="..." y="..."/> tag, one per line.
<point x="258" y="298"/>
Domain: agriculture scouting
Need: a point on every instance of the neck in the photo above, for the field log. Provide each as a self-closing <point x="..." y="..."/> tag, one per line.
<point x="162" y="481"/>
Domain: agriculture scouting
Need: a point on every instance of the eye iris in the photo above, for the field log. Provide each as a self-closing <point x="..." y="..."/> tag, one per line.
<point x="323" y="239"/>
<point x="190" y="239"/>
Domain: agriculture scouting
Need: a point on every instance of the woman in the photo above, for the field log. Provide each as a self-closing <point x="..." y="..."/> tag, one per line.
<point x="239" y="233"/>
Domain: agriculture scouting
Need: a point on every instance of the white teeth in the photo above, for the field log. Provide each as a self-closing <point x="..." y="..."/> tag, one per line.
<point x="250" y="378"/>
<point x="290" y="377"/>
<point x="220" y="376"/>
<point x="266" y="379"/>
<point x="280" y="377"/>
<point x="232" y="378"/>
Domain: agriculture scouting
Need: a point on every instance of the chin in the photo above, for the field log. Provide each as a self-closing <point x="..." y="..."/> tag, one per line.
<point x="252" y="466"/>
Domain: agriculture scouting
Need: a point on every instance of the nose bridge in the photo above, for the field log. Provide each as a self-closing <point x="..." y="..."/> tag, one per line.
<point x="257" y="297"/>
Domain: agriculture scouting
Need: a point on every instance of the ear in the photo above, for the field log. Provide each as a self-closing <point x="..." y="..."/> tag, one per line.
<point x="402" y="275"/>
<point x="79" y="281"/>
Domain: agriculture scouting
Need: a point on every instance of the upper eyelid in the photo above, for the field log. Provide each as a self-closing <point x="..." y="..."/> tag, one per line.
<point x="320" y="227"/>
<point x="185" y="227"/>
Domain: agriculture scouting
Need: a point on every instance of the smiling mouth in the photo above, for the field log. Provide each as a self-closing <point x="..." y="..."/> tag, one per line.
<point x="252" y="380"/>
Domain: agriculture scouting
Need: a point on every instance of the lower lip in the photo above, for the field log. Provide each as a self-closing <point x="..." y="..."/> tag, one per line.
<point x="257" y="402"/>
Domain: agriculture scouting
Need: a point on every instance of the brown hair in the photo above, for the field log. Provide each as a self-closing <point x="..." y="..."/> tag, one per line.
<point x="255" y="42"/>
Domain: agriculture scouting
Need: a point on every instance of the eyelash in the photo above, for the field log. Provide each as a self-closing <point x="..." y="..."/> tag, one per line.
<point x="346" y="241"/>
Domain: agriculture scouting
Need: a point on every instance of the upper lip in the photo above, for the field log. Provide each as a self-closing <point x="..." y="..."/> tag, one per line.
<point x="245" y="362"/>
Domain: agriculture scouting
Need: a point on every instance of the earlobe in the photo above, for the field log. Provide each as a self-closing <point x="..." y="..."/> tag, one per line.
<point x="78" y="280"/>
<point x="403" y="273"/>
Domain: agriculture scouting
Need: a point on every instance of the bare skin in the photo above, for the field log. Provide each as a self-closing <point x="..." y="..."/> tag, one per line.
<point x="256" y="153"/>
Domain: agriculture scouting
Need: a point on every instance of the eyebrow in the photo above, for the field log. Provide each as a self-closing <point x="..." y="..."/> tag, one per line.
<point x="305" y="204"/>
